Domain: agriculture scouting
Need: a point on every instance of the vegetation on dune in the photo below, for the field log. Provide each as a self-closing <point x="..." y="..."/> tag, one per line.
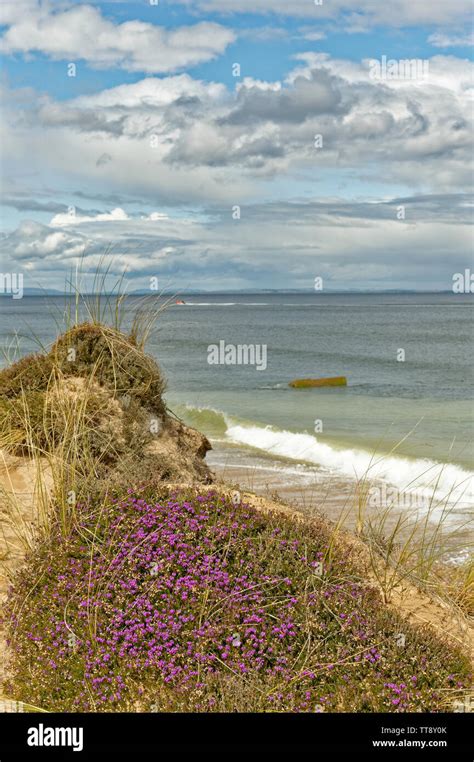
<point x="117" y="363"/>
<point x="188" y="602"/>
<point x="39" y="420"/>
<point x="97" y="393"/>
<point x="112" y="358"/>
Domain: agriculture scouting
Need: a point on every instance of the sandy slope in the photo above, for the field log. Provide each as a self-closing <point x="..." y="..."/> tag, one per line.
<point x="18" y="518"/>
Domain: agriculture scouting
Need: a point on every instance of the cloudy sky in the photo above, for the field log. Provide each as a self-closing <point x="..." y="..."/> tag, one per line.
<point x="238" y="143"/>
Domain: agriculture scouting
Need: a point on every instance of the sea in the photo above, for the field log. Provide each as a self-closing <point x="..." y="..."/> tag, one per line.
<point x="405" y="420"/>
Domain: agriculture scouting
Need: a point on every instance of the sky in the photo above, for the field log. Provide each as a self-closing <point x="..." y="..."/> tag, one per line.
<point x="238" y="144"/>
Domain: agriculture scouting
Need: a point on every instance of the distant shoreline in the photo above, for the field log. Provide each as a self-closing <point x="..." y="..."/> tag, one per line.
<point x="243" y="292"/>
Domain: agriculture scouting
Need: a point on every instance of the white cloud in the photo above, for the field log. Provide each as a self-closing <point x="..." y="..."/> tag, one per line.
<point x="154" y="92"/>
<point x="12" y="10"/>
<point x="447" y="72"/>
<point x="82" y="33"/>
<point x="71" y="219"/>
<point x="397" y="13"/>
<point x="33" y="241"/>
<point x="186" y="141"/>
<point x="312" y="36"/>
<point x="442" y="40"/>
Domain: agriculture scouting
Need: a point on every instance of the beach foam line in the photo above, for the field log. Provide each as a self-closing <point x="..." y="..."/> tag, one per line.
<point x="446" y="482"/>
<point x="449" y="483"/>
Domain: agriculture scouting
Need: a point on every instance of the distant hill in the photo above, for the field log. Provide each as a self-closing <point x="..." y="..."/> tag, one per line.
<point x="38" y="292"/>
<point x="197" y="292"/>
